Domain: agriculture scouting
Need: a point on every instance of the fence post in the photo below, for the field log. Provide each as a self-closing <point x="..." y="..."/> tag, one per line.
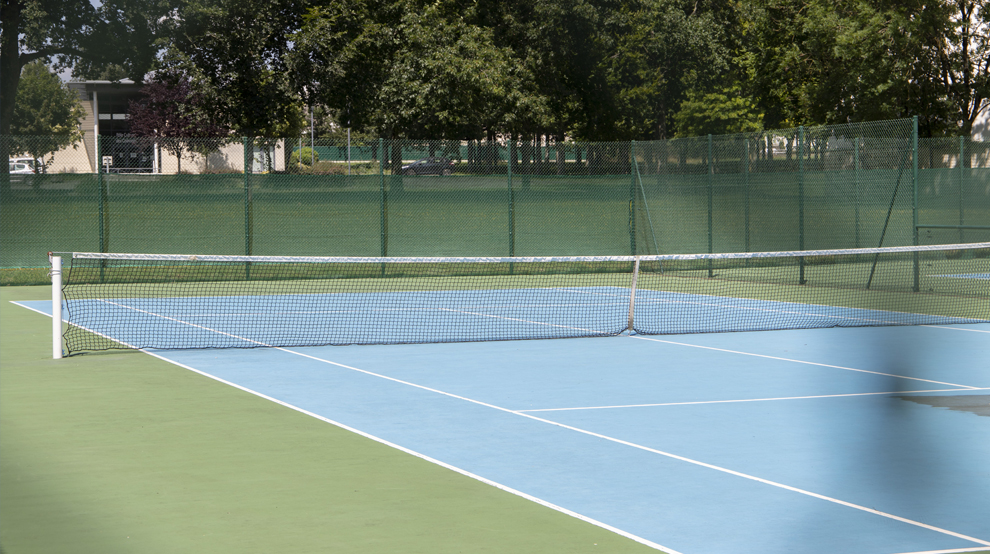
<point x="914" y="203"/>
<point x="632" y="198"/>
<point x="801" y="279"/>
<point x="746" y="185"/>
<point x="383" y="200"/>
<point x="104" y="206"/>
<point x="103" y="194"/>
<point x="856" y="184"/>
<point x="711" y="197"/>
<point x="963" y="162"/>
<point x="511" y="197"/>
<point x="248" y="205"/>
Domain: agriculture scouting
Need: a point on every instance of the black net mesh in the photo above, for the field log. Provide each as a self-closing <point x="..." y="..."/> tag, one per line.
<point x="154" y="301"/>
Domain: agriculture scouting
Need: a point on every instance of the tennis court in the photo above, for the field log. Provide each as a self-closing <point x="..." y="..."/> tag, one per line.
<point x="854" y="440"/>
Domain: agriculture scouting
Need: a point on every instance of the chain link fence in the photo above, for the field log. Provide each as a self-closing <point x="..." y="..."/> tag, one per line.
<point x="844" y="186"/>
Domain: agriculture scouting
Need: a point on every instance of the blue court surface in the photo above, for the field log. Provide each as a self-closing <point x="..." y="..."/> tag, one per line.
<point x="450" y="316"/>
<point x="819" y="441"/>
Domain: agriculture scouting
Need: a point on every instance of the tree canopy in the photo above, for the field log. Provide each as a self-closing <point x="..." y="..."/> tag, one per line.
<point x="582" y="69"/>
<point x="77" y="34"/>
<point x="46" y="115"/>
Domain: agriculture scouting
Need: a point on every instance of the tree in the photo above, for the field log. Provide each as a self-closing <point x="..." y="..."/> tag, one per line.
<point x="125" y="32"/>
<point x="818" y="61"/>
<point x="663" y="50"/>
<point x="173" y="111"/>
<point x="964" y="56"/>
<point x="234" y="53"/>
<point x="591" y="69"/>
<point x="46" y="115"/>
<point x="37" y="30"/>
<point x="726" y="111"/>
<point x="446" y="79"/>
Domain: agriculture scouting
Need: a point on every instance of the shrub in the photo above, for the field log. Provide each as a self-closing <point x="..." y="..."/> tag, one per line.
<point x="327" y="168"/>
<point x="303" y="157"/>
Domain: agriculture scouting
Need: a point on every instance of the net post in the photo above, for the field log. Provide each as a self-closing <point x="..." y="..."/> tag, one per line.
<point x="56" y="271"/>
<point x="632" y="296"/>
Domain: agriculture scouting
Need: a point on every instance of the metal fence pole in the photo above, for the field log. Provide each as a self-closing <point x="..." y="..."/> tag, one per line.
<point x="746" y="185"/>
<point x="963" y="162"/>
<point x="801" y="279"/>
<point x="856" y="184"/>
<point x="383" y="202"/>
<point x="248" y="205"/>
<point x="511" y="196"/>
<point x="632" y="198"/>
<point x="103" y="195"/>
<point x="711" y="198"/>
<point x="914" y="204"/>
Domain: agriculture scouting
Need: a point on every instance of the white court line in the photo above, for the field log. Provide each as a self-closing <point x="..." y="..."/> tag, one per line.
<point x="953" y="551"/>
<point x="957" y="328"/>
<point x="647" y="449"/>
<point x="16" y="303"/>
<point x="464" y="472"/>
<point x="726" y="303"/>
<point x="593" y="434"/>
<point x="479" y="314"/>
<point x="422" y="456"/>
<point x="746" y="400"/>
<point x="640" y="337"/>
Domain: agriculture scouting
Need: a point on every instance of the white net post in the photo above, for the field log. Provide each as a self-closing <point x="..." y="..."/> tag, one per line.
<point x="56" y="307"/>
<point x="632" y="295"/>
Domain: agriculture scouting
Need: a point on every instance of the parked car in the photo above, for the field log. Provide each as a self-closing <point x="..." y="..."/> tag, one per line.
<point x="429" y="166"/>
<point x="19" y="168"/>
<point x="32" y="163"/>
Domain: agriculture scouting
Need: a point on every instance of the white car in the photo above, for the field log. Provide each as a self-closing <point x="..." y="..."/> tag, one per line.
<point x="30" y="162"/>
<point x="20" y="168"/>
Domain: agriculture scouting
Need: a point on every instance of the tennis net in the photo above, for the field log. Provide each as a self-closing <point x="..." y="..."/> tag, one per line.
<point x="178" y="301"/>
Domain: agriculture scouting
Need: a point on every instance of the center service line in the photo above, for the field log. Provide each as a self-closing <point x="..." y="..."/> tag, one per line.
<point x="648" y="449"/>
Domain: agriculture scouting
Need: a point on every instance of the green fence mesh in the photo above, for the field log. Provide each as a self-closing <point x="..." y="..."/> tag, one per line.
<point x="842" y="186"/>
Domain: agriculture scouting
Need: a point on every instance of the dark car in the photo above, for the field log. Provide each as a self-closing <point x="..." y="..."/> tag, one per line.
<point x="429" y="166"/>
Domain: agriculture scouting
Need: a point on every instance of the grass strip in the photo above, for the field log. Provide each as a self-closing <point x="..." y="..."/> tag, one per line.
<point x="121" y="453"/>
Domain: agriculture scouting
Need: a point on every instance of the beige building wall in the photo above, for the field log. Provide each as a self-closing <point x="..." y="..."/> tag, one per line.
<point x="81" y="157"/>
<point x="227" y="158"/>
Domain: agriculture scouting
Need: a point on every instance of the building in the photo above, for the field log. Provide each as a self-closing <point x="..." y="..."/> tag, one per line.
<point x="106" y="105"/>
<point x="981" y="127"/>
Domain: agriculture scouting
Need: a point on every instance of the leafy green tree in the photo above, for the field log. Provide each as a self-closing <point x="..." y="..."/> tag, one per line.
<point x="234" y="53"/>
<point x="37" y="30"/>
<point x="109" y="72"/>
<point x="964" y="56"/>
<point x="128" y="38"/>
<point x="817" y="61"/>
<point x="447" y="79"/>
<point x="726" y="111"/>
<point x="662" y="50"/>
<point x="46" y="115"/>
<point x="405" y="70"/>
<point x="122" y="32"/>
